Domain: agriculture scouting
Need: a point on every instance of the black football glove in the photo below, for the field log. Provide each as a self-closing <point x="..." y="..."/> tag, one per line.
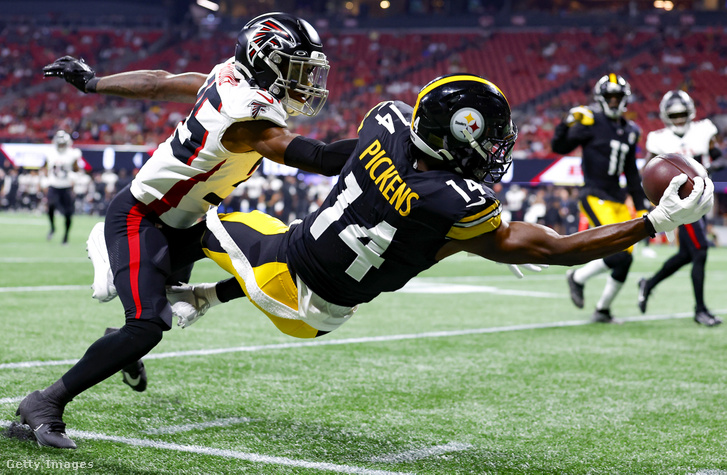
<point x="74" y="71"/>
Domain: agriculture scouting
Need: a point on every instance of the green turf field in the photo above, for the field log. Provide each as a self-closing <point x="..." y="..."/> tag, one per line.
<point x="468" y="371"/>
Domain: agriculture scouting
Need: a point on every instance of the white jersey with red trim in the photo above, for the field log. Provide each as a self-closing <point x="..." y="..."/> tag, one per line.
<point x="60" y="166"/>
<point x="694" y="143"/>
<point x="192" y="169"/>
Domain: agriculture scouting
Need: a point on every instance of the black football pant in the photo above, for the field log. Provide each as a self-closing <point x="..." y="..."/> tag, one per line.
<point x="693" y="246"/>
<point x="145" y="256"/>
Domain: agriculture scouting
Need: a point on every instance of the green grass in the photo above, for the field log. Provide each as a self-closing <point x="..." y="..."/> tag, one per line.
<point x="645" y="397"/>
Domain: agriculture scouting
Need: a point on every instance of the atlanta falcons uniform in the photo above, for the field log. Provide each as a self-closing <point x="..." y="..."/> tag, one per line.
<point x="60" y="164"/>
<point x="381" y="225"/>
<point x="695" y="143"/>
<point x="186" y="175"/>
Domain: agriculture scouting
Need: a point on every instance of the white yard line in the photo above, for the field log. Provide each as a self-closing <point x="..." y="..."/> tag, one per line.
<point x="11" y="400"/>
<point x="348" y="341"/>
<point x="233" y="454"/>
<point x="417" y="454"/>
<point x="201" y="425"/>
<point x="45" y="288"/>
<point x="41" y="260"/>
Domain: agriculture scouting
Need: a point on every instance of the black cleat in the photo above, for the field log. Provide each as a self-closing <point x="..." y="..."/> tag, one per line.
<point x="644" y="292"/>
<point x="576" y="289"/>
<point x="45" y="420"/>
<point x="705" y="318"/>
<point x="134" y="374"/>
<point x="603" y="316"/>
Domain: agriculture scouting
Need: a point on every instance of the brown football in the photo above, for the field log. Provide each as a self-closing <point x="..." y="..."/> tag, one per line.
<point x="658" y="172"/>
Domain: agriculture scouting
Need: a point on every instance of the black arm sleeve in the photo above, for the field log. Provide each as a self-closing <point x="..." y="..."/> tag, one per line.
<point x="314" y="156"/>
<point x="561" y="142"/>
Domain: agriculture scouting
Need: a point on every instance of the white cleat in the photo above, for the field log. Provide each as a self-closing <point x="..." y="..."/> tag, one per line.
<point x="103" y="286"/>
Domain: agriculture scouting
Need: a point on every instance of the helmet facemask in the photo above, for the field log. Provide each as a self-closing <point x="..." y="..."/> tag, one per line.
<point x="305" y="78"/>
<point x="677" y="111"/>
<point x="609" y="87"/>
<point x="62" y="140"/>
<point x="487" y="160"/>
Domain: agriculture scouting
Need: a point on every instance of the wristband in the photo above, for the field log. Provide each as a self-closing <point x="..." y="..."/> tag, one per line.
<point x="649" y="226"/>
<point x="91" y="84"/>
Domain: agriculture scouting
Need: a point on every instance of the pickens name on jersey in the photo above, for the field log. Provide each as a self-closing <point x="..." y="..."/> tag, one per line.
<point x="192" y="170"/>
<point x="384" y="221"/>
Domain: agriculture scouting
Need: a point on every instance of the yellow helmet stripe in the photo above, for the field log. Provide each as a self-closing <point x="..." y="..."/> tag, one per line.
<point x="613" y="78"/>
<point x="447" y="80"/>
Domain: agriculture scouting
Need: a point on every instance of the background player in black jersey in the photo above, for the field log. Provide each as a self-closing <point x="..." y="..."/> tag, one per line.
<point x="413" y="192"/>
<point x="692" y="138"/>
<point x="239" y="116"/>
<point x="608" y="147"/>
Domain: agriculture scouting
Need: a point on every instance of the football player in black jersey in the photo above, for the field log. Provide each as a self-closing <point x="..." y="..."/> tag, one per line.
<point x="608" y="147"/>
<point x="414" y="191"/>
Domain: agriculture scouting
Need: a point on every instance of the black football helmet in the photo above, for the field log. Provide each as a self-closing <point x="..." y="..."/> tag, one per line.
<point x="284" y="54"/>
<point x="464" y="121"/>
<point x="612" y="85"/>
<point x="677" y="111"/>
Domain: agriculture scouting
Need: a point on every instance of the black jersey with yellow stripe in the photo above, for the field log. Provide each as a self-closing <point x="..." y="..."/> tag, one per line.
<point x="384" y="220"/>
<point x="608" y="150"/>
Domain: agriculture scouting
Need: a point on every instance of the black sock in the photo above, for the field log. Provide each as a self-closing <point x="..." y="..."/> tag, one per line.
<point x="112" y="352"/>
<point x="229" y="289"/>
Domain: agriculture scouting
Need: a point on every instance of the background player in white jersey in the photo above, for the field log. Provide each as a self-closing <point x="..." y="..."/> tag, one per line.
<point x="61" y="163"/>
<point x="697" y="139"/>
<point x="239" y="117"/>
<point x="413" y="192"/>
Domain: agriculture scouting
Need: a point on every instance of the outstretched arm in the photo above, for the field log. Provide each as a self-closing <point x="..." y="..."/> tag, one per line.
<point x="153" y="85"/>
<point x="143" y="84"/>
<point x="519" y="243"/>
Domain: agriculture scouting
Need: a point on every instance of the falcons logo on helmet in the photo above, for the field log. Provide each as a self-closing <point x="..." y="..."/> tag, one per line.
<point x="271" y="32"/>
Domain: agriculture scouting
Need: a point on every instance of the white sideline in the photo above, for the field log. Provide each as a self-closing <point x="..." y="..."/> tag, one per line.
<point x="348" y="341"/>
<point x="250" y="457"/>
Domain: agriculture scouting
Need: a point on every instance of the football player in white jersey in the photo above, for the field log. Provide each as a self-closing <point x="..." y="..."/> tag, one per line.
<point x="697" y="139"/>
<point x="61" y="162"/>
<point x="239" y="117"/>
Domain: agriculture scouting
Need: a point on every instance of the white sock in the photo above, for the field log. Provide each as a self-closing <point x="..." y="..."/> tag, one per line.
<point x="609" y="293"/>
<point x="593" y="268"/>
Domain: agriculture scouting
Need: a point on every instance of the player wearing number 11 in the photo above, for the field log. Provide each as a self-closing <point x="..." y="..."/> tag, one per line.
<point x="608" y="146"/>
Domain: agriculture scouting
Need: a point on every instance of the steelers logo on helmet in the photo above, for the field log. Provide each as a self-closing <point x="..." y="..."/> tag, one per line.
<point x="468" y="119"/>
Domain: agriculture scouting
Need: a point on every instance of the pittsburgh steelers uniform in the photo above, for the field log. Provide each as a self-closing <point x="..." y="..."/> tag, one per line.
<point x="187" y="174"/>
<point x="693" y="242"/>
<point x="60" y="165"/>
<point x="608" y="150"/>
<point x="381" y="225"/>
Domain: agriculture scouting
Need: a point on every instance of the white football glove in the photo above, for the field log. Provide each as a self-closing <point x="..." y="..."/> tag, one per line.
<point x="190" y="302"/>
<point x="673" y="211"/>
<point x="515" y="269"/>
